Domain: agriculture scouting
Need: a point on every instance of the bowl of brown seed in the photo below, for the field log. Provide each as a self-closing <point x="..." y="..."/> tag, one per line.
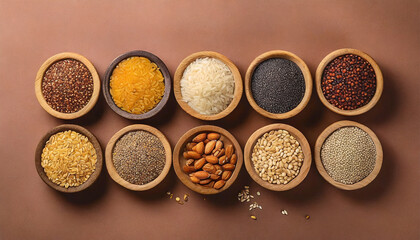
<point x="348" y="155"/>
<point x="138" y="157"/>
<point x="207" y="159"/>
<point x="68" y="158"/>
<point x="67" y="85"/>
<point x="277" y="157"/>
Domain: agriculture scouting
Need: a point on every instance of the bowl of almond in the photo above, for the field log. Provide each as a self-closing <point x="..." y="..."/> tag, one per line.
<point x="207" y="159"/>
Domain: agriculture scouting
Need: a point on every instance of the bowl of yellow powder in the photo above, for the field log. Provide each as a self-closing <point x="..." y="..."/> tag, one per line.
<point x="137" y="85"/>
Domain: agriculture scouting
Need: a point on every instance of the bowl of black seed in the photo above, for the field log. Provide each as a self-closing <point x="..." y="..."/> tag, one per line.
<point x="278" y="84"/>
<point x="67" y="85"/>
<point x="138" y="157"/>
<point x="348" y="155"/>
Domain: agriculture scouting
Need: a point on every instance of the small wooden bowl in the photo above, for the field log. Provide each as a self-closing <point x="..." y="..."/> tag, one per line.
<point x="236" y="75"/>
<point x="92" y="139"/>
<point x="163" y="69"/>
<point x="379" y="81"/>
<point x="40" y="75"/>
<point x="305" y="149"/>
<point x="306" y="74"/>
<point x="319" y="165"/>
<point x="179" y="160"/>
<point x="110" y="165"/>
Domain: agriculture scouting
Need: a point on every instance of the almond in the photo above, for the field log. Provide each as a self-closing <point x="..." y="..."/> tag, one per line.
<point x="219" y="184"/>
<point x="206" y="141"/>
<point x="201" y="175"/>
<point x="212" y="159"/>
<point x="200" y="137"/>
<point x="188" y="169"/>
<point x="213" y="136"/>
<point x="204" y="182"/>
<point x="228" y="167"/>
<point x="219" y="153"/>
<point x="208" y="167"/>
<point x="228" y="151"/>
<point x="186" y="156"/>
<point x="199" y="163"/>
<point x="210" y="184"/>
<point x="193" y="155"/>
<point x="209" y="147"/>
<point x="218" y="167"/>
<point x="189" y="162"/>
<point x="190" y="146"/>
<point x="226" y="175"/>
<point x="219" y="172"/>
<point x="194" y="179"/>
<point x="199" y="148"/>
<point x="219" y="145"/>
<point x="222" y="160"/>
<point x="214" y="176"/>
<point x="233" y="159"/>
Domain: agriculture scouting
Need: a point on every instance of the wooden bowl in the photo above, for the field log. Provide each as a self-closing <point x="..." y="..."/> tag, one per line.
<point x="40" y="75"/>
<point x="306" y="74"/>
<point x="110" y="165"/>
<point x="177" y="85"/>
<point x="166" y="75"/>
<point x="319" y="165"/>
<point x="95" y="144"/>
<point x="179" y="160"/>
<point x="379" y="81"/>
<point x="305" y="149"/>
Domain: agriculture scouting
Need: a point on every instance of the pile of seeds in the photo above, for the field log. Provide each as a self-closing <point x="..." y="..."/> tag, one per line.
<point x="67" y="86"/>
<point x="277" y="85"/>
<point x="277" y="157"/>
<point x="68" y="159"/>
<point x="348" y="155"/>
<point x="349" y="82"/>
<point x="139" y="157"/>
<point x="208" y="161"/>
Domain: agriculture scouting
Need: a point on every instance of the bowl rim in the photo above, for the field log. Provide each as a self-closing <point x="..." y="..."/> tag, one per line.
<point x="320" y="142"/>
<point x="236" y="76"/>
<point x="306" y="75"/>
<point x="379" y="81"/>
<point x="306" y="149"/>
<point x="163" y="69"/>
<point x="40" y="75"/>
<point x="186" y="137"/>
<point x="61" y="128"/>
<point x="110" y="165"/>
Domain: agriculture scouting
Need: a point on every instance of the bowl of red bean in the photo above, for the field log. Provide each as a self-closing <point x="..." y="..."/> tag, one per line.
<point x="67" y="85"/>
<point x="349" y="82"/>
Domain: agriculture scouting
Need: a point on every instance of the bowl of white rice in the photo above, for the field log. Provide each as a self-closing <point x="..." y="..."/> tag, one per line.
<point x="207" y="85"/>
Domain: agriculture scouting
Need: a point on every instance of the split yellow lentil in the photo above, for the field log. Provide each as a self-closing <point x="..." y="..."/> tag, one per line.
<point x="137" y="85"/>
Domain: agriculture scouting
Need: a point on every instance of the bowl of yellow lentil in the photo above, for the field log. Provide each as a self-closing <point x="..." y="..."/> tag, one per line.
<point x="69" y="158"/>
<point x="137" y="85"/>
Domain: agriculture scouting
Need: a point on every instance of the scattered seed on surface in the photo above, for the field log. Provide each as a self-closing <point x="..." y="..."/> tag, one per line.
<point x="348" y="155"/>
<point x="254" y="217"/>
<point x="139" y="157"/>
<point x="186" y="197"/>
<point x="258" y="193"/>
<point x="277" y="85"/>
<point x="307" y="217"/>
<point x="284" y="212"/>
<point x="67" y="85"/>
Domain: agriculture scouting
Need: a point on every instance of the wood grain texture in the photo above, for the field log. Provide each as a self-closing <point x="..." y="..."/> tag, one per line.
<point x="306" y="74"/>
<point x="110" y="165"/>
<point x="92" y="139"/>
<point x="40" y="75"/>
<point x="317" y="152"/>
<point x="306" y="149"/>
<point x="379" y="81"/>
<point x="166" y="75"/>
<point x="179" y="160"/>
<point x="236" y="76"/>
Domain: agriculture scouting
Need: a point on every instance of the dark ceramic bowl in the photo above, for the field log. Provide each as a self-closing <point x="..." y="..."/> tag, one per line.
<point x="162" y="68"/>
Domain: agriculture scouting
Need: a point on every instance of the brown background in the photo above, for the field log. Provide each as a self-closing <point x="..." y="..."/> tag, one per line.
<point x="32" y="31"/>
